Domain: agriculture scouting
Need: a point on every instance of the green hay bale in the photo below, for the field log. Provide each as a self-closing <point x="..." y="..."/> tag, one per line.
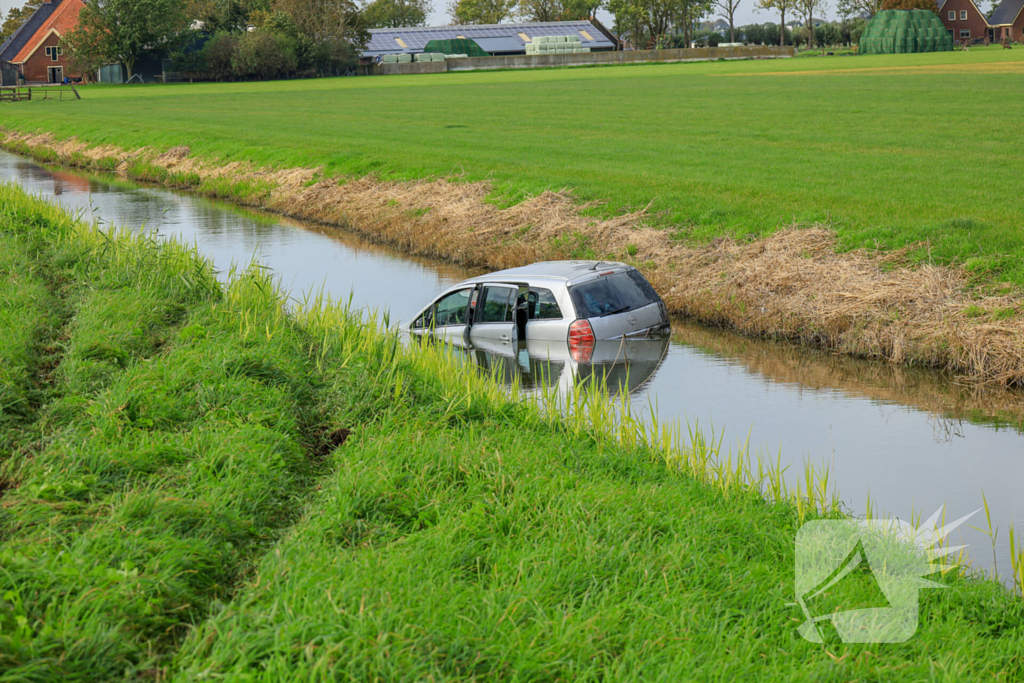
<point x="903" y="31"/>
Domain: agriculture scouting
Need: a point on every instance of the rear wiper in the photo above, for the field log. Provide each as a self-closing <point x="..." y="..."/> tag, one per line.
<point x="621" y="309"/>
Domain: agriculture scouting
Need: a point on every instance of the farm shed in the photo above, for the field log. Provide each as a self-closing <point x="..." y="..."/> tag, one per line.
<point x="898" y="31"/>
<point x="494" y="39"/>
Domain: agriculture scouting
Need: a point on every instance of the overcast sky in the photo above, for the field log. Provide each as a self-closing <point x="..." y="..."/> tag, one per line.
<point x="745" y="14"/>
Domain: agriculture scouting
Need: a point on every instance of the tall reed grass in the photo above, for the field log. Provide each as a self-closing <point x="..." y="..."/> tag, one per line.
<point x="227" y="486"/>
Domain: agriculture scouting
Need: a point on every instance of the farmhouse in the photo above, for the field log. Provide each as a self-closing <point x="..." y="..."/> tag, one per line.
<point x="964" y="21"/>
<point x="1007" y="21"/>
<point x="35" y="50"/>
<point x="495" y="39"/>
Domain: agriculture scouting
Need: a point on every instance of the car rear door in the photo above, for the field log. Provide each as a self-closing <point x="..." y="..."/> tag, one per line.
<point x="494" y="316"/>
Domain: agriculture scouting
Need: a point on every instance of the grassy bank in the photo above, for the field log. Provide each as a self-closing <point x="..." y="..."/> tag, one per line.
<point x="892" y="150"/>
<point x="695" y="191"/>
<point x="213" y="488"/>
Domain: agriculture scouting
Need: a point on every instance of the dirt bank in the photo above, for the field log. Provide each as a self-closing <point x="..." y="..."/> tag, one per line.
<point x="791" y="285"/>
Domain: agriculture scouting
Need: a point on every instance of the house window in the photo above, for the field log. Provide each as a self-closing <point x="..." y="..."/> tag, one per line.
<point x="952" y="15"/>
<point x="963" y="15"/>
<point x="54" y="52"/>
<point x="965" y="33"/>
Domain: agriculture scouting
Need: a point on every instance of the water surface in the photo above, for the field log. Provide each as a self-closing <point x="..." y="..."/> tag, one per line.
<point x="910" y="440"/>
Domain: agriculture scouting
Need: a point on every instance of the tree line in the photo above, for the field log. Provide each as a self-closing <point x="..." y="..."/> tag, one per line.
<point x="261" y="39"/>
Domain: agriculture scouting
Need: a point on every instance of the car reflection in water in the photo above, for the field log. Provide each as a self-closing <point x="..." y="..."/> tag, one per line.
<point x="624" y="364"/>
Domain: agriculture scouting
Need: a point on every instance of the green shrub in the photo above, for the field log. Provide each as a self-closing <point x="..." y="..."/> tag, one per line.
<point x="263" y="55"/>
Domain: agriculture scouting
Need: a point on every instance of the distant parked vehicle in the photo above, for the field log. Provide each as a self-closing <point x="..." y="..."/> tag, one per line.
<point x="574" y="302"/>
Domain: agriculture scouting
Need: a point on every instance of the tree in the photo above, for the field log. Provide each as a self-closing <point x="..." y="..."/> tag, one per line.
<point x="263" y="55"/>
<point x="122" y="31"/>
<point x="781" y="6"/>
<point x="558" y="10"/>
<point x="276" y="21"/>
<point x="808" y="8"/>
<point x="829" y="33"/>
<point x="911" y="4"/>
<point x="396" y="13"/>
<point x="480" y="11"/>
<point x="324" y="21"/>
<point x="16" y="17"/>
<point x="728" y="11"/>
<point x="859" y="8"/>
<point x="649" y="21"/>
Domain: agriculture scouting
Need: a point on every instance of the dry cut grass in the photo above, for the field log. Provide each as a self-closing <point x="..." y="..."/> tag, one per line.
<point x="792" y="284"/>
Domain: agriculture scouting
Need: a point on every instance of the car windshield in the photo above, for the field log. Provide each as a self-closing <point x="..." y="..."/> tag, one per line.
<point x="616" y="293"/>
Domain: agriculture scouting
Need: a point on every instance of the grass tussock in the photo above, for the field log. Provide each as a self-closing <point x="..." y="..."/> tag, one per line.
<point x="793" y="284"/>
<point x="249" y="493"/>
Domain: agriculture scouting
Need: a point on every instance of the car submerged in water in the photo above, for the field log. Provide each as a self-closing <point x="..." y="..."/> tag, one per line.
<point x="578" y="303"/>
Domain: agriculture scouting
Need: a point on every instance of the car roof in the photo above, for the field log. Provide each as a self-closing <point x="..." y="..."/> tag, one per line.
<point x="551" y="270"/>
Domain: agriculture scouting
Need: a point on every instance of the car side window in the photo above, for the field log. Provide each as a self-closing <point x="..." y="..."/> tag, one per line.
<point x="543" y="306"/>
<point x="452" y="309"/>
<point x="497" y="304"/>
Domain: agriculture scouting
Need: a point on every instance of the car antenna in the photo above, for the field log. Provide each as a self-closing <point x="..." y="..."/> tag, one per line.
<point x="597" y="264"/>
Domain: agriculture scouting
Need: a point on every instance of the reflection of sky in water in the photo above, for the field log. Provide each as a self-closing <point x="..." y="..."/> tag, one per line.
<point x="900" y="456"/>
<point x="305" y="260"/>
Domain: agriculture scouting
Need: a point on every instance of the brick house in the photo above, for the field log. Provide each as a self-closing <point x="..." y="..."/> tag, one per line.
<point x="964" y="21"/>
<point x="1007" y="21"/>
<point x="35" y="47"/>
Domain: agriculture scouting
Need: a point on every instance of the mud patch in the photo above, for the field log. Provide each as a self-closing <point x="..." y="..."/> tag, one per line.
<point x="331" y="441"/>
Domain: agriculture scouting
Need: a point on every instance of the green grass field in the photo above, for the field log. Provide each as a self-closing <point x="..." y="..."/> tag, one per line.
<point x="206" y="487"/>
<point x="891" y="150"/>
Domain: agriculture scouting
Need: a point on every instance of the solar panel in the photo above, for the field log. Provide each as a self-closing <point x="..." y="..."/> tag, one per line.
<point x="384" y="40"/>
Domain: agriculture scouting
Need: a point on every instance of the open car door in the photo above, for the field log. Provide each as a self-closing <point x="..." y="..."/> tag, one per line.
<point x="499" y="315"/>
<point x="447" y="318"/>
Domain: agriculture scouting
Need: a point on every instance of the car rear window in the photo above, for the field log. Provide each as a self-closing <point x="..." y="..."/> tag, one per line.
<point x="616" y="293"/>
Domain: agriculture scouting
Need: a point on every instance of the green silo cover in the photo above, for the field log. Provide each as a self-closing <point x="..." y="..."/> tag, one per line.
<point x="456" y="46"/>
<point x="898" y="31"/>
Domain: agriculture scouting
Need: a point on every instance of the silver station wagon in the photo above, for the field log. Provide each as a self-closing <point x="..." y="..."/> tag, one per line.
<point x="574" y="302"/>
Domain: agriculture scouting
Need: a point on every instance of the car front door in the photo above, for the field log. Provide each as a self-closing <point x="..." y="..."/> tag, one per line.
<point x="447" y="317"/>
<point x="494" y="317"/>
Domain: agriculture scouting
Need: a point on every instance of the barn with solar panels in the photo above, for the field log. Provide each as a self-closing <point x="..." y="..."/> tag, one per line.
<point x="492" y="39"/>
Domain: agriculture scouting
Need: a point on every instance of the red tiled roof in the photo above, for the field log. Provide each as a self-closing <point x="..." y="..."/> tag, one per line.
<point x="63" y="19"/>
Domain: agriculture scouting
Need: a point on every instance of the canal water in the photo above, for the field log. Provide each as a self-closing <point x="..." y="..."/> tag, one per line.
<point x="907" y="440"/>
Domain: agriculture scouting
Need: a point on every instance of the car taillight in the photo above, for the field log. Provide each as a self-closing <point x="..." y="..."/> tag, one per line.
<point x="581" y="341"/>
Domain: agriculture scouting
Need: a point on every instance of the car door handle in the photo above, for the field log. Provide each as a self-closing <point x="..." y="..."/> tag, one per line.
<point x="505" y="337"/>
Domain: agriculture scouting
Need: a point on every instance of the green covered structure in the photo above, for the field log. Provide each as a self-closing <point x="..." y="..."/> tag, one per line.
<point x="457" y="46"/>
<point x="898" y="31"/>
